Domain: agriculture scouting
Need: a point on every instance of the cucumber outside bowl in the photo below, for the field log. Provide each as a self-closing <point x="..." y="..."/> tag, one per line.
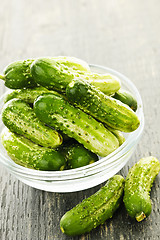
<point x="87" y="176"/>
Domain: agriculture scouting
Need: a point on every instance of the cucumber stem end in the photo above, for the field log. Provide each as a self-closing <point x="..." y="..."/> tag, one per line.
<point x="62" y="229"/>
<point x="2" y="77"/>
<point x="140" y="216"/>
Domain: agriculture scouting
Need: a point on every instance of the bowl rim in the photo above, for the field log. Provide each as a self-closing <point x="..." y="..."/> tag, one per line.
<point x="90" y="169"/>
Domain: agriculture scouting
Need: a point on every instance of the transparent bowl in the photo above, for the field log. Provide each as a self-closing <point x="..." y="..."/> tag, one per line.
<point x="87" y="176"/>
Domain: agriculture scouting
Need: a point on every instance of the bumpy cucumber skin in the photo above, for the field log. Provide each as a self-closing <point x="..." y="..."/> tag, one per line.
<point x="18" y="75"/>
<point x="106" y="83"/>
<point x="74" y="63"/>
<point x="53" y="74"/>
<point x="104" y="108"/>
<point x="28" y="95"/>
<point x="58" y="113"/>
<point x="20" y="118"/>
<point x="95" y="210"/>
<point x="77" y="156"/>
<point x="30" y="155"/>
<point x="127" y="98"/>
<point x="138" y="186"/>
<point x="49" y="73"/>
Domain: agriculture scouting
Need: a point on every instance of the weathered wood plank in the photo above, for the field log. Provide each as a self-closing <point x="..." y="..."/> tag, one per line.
<point x="123" y="35"/>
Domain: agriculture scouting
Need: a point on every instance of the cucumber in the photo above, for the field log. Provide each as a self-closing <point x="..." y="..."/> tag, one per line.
<point x="17" y="75"/>
<point x="73" y="63"/>
<point x="77" y="156"/>
<point x="106" y="83"/>
<point x="54" y="75"/>
<point x="95" y="210"/>
<point x="27" y="95"/>
<point x="118" y="135"/>
<point x="126" y="97"/>
<point x="104" y="108"/>
<point x="138" y="186"/>
<point x="58" y="113"/>
<point x="30" y="155"/>
<point x="20" y="118"/>
<point x="48" y="73"/>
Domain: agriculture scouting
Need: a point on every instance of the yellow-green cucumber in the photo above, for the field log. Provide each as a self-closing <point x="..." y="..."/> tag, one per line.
<point x="138" y="186"/>
<point x="104" y="108"/>
<point x="28" y="154"/>
<point x="119" y="135"/>
<point x="60" y="114"/>
<point x="95" y="210"/>
<point x="50" y="73"/>
<point x="107" y="83"/>
<point x="20" y="118"/>
<point x="73" y="63"/>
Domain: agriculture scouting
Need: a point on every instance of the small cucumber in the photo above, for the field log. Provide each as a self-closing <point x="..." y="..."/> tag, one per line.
<point x="17" y="75"/>
<point x="73" y="63"/>
<point x="95" y="210"/>
<point x="138" y="186"/>
<point x="104" y="108"/>
<point x="77" y="156"/>
<point x="106" y="83"/>
<point x="54" y="75"/>
<point x="30" y="155"/>
<point x="20" y="118"/>
<point x="27" y="95"/>
<point x="118" y="135"/>
<point x="58" y="113"/>
<point x="47" y="72"/>
<point x="126" y="97"/>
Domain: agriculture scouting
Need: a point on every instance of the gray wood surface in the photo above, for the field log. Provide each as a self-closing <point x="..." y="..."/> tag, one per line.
<point x="120" y="34"/>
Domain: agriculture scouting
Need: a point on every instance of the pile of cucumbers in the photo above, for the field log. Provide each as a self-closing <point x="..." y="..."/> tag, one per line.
<point x="61" y="115"/>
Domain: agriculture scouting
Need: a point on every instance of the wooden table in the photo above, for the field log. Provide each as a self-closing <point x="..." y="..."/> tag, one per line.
<point x="123" y="35"/>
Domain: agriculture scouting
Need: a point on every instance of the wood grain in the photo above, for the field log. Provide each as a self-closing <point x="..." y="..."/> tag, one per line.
<point x="121" y="34"/>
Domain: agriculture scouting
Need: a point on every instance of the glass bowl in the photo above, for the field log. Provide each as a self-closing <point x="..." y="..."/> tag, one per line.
<point x="87" y="176"/>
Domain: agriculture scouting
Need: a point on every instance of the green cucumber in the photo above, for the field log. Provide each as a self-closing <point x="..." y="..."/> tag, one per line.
<point x="126" y="97"/>
<point x="20" y="118"/>
<point x="58" y="113"/>
<point x="17" y="75"/>
<point x="77" y="156"/>
<point x="30" y="155"/>
<point x="54" y="75"/>
<point x="104" y="108"/>
<point x="27" y="95"/>
<point x="138" y="186"/>
<point x="47" y="72"/>
<point x="95" y="210"/>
